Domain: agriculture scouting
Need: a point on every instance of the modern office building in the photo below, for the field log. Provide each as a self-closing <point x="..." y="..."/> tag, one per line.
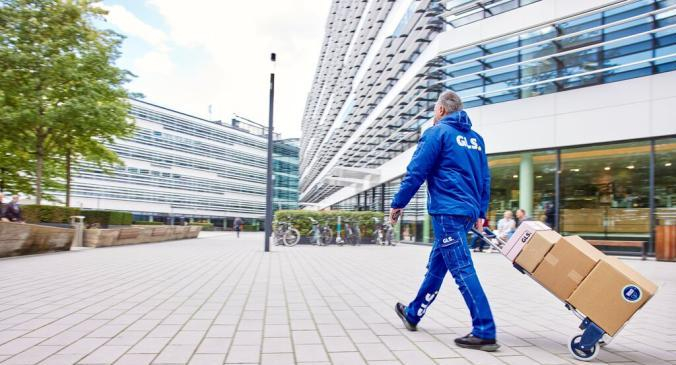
<point x="179" y="167"/>
<point x="285" y="168"/>
<point x="574" y="99"/>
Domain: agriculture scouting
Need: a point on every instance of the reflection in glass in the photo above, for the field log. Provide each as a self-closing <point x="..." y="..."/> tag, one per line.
<point x="605" y="191"/>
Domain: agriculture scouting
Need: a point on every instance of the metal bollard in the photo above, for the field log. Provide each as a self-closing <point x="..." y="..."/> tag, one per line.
<point x="77" y="222"/>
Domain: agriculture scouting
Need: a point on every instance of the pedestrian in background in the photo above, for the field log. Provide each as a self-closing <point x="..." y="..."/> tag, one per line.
<point x="238" y="225"/>
<point x="452" y="158"/>
<point x="13" y="210"/>
<point x="477" y="241"/>
<point x="3" y="208"/>
<point x="506" y="226"/>
<point x="522" y="216"/>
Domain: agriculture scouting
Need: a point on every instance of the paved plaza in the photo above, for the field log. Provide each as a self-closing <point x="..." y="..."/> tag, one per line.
<point x="219" y="299"/>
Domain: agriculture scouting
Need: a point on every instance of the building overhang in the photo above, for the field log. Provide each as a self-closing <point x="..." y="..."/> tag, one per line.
<point x="343" y="181"/>
<point x="354" y="173"/>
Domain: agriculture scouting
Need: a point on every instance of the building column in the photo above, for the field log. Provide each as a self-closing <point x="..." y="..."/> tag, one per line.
<point x="426" y="228"/>
<point x="526" y="183"/>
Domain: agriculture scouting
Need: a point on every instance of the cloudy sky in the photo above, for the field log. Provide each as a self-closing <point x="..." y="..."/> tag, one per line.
<point x="188" y="55"/>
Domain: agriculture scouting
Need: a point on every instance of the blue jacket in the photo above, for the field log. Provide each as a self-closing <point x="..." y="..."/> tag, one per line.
<point x="452" y="158"/>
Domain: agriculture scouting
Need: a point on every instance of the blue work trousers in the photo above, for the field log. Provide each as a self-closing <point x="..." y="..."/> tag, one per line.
<point x="451" y="253"/>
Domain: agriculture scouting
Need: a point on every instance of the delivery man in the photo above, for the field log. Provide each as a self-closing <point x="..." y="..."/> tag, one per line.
<point x="452" y="158"/>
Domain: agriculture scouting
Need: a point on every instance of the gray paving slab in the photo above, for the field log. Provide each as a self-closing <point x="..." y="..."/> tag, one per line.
<point x="221" y="300"/>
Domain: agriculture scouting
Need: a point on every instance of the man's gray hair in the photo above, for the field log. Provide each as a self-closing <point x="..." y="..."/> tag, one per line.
<point x="450" y="101"/>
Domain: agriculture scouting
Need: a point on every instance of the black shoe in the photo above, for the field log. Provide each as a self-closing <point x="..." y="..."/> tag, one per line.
<point x="401" y="310"/>
<point x="476" y="343"/>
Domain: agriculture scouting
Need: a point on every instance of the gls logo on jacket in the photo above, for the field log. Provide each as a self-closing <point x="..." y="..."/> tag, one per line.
<point x="458" y="182"/>
<point x="473" y="144"/>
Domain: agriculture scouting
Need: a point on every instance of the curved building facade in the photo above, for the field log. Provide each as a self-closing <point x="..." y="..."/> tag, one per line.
<point x="573" y="99"/>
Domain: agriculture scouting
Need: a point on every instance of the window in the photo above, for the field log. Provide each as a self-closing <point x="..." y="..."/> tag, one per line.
<point x="605" y="190"/>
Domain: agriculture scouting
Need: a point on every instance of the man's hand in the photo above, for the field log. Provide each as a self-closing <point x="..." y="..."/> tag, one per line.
<point x="479" y="225"/>
<point x="395" y="213"/>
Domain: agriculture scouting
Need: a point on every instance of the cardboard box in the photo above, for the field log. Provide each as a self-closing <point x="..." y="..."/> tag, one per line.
<point x="566" y="265"/>
<point x="611" y="294"/>
<point x="522" y="235"/>
<point x="535" y="250"/>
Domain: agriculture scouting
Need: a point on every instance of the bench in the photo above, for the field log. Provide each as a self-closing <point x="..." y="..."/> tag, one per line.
<point x="638" y="244"/>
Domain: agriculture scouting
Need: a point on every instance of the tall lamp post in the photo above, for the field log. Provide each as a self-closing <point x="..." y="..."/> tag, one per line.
<point x="268" y="200"/>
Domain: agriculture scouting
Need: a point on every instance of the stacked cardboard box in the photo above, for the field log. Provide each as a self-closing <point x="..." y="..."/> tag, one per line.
<point x="603" y="288"/>
<point x="522" y="235"/>
<point x="566" y="265"/>
<point x="611" y="294"/>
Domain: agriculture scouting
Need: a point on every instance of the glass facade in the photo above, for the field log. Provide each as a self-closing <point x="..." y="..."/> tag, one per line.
<point x="181" y="168"/>
<point x="624" y="41"/>
<point x="632" y="40"/>
<point x="285" y="173"/>
<point x="603" y="192"/>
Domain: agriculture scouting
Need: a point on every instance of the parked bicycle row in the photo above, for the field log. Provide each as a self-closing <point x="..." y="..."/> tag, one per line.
<point x="346" y="232"/>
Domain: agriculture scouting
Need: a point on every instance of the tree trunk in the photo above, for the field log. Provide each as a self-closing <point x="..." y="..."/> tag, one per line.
<point x="39" y="167"/>
<point x="68" y="170"/>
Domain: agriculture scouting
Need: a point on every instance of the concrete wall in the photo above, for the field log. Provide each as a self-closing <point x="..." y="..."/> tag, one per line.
<point x="22" y="239"/>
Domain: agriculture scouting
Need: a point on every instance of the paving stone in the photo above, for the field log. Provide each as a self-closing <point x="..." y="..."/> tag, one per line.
<point x="207" y="359"/>
<point x="243" y="354"/>
<point x="216" y="300"/>
<point x="310" y="353"/>
<point x="33" y="355"/>
<point x="105" y="355"/>
<point x="277" y="359"/>
<point x="135" y="359"/>
<point x="347" y="358"/>
<point x="339" y="344"/>
<point x="61" y="359"/>
<point x="277" y="344"/>
<point x="214" y="345"/>
<point x="175" y="354"/>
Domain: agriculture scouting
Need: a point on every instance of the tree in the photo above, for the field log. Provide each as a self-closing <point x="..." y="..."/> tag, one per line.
<point x="62" y="97"/>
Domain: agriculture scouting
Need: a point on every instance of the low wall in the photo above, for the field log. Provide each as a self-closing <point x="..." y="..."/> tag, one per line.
<point x="137" y="234"/>
<point x="22" y="239"/>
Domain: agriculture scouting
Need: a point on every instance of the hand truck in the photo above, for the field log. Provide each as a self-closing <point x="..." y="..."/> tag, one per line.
<point x="583" y="346"/>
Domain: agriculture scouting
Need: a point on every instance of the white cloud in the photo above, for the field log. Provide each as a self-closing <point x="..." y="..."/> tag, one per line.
<point x="235" y="39"/>
<point x="154" y="62"/>
<point x="135" y="27"/>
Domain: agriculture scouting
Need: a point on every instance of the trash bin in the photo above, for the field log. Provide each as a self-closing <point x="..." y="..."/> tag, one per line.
<point x="665" y="239"/>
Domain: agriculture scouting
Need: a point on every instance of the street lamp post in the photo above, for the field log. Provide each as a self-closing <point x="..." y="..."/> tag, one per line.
<point x="268" y="200"/>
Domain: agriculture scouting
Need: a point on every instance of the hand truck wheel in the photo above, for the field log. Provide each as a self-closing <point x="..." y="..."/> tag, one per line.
<point x="579" y="353"/>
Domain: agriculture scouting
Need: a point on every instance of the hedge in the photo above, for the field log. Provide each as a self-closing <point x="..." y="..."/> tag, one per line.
<point x="47" y="213"/>
<point x="300" y="219"/>
<point x="205" y="226"/>
<point x="105" y="218"/>
<point x="148" y="223"/>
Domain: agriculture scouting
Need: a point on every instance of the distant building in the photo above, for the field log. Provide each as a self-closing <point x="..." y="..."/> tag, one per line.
<point x="574" y="99"/>
<point x="285" y="169"/>
<point x="178" y="167"/>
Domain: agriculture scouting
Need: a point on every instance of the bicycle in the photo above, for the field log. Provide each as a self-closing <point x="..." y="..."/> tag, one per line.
<point x="382" y="235"/>
<point x="321" y="235"/>
<point x="285" y="234"/>
<point x="339" y="238"/>
<point x="352" y="233"/>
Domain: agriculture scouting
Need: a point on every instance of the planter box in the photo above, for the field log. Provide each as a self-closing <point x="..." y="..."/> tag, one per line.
<point x="138" y="234"/>
<point x="22" y="239"/>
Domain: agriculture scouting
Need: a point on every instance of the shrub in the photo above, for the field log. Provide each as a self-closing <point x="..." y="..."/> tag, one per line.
<point x="47" y="213"/>
<point x="105" y="218"/>
<point x="205" y="225"/>
<point x="252" y="227"/>
<point x="148" y="223"/>
<point x="300" y="219"/>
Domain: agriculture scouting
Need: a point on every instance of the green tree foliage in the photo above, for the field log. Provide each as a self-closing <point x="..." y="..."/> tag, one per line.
<point x="61" y="96"/>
